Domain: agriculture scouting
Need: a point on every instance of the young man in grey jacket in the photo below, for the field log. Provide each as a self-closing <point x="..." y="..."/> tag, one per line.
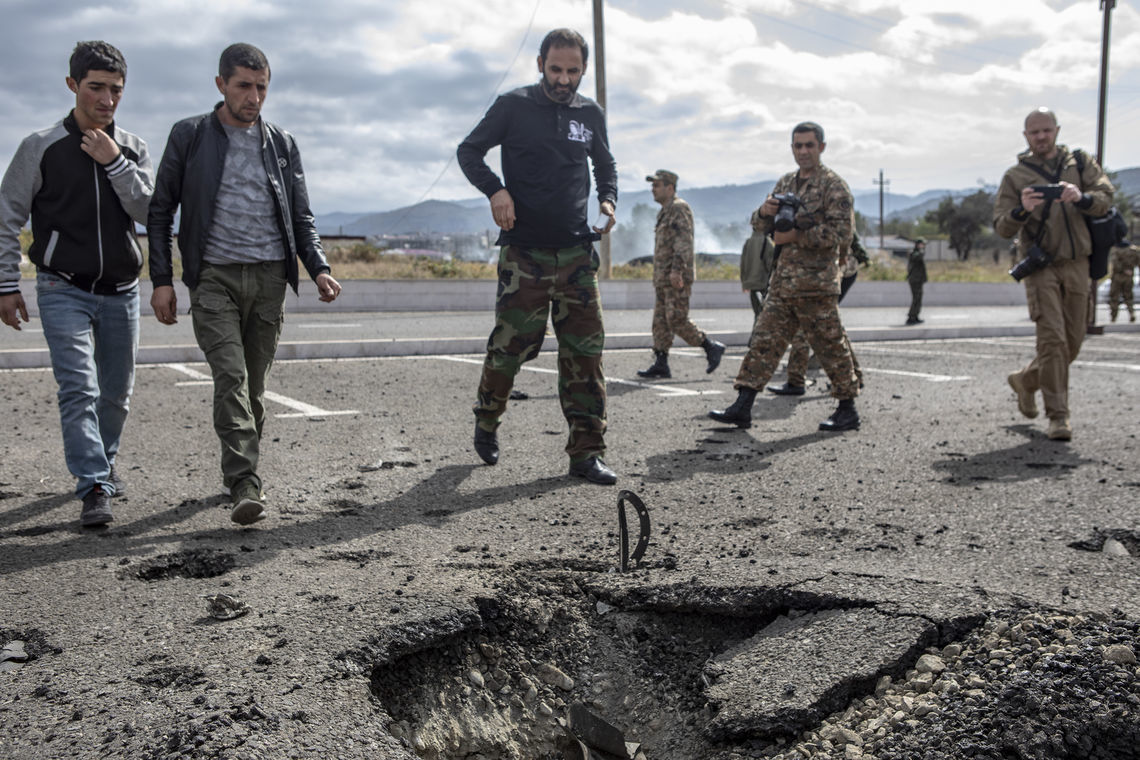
<point x="245" y="221"/>
<point x="84" y="182"/>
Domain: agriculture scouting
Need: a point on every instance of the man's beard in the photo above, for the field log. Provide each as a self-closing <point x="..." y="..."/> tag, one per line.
<point x="558" y="94"/>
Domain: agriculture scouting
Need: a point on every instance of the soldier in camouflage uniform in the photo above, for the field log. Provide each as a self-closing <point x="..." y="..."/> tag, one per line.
<point x="800" y="352"/>
<point x="549" y="135"/>
<point x="673" y="273"/>
<point x="1125" y="258"/>
<point x="804" y="292"/>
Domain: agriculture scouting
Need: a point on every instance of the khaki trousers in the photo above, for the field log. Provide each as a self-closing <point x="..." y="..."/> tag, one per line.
<point x="1058" y="299"/>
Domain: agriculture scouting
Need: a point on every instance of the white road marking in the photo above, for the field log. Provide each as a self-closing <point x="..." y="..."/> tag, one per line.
<point x="1108" y="365"/>
<point x="662" y="390"/>
<point x="915" y="352"/>
<point x="303" y="409"/>
<point x="923" y="375"/>
<point x="323" y="325"/>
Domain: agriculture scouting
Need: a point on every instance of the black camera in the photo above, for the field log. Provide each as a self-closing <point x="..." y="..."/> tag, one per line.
<point x="1034" y="261"/>
<point x="1051" y="192"/>
<point x="786" y="213"/>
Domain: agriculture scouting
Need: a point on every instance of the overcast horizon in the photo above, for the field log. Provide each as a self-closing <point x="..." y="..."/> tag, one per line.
<point x="379" y="97"/>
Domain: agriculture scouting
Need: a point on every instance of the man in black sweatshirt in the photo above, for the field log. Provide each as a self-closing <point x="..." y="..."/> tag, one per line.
<point x="547" y="132"/>
<point x="84" y="182"/>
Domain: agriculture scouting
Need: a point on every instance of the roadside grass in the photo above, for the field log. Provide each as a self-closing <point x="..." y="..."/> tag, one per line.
<point x="361" y="261"/>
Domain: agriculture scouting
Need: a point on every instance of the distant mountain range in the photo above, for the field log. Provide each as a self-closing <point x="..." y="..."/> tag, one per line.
<point x="723" y="204"/>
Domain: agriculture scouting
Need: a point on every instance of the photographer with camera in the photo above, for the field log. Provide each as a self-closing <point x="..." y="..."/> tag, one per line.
<point x="810" y="217"/>
<point x="1043" y="200"/>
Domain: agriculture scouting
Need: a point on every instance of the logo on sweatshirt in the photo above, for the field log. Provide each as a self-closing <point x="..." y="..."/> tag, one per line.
<point x="580" y="132"/>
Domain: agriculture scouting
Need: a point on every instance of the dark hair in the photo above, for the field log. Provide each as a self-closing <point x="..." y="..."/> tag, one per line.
<point x="808" y="126"/>
<point x="98" y="56"/>
<point x="564" y="38"/>
<point x="244" y="55"/>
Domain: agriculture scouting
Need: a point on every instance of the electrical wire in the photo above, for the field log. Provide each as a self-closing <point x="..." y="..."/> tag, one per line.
<point x="486" y="105"/>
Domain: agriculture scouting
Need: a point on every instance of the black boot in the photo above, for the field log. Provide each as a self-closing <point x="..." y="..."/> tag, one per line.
<point x="486" y="445"/>
<point x="713" y="351"/>
<point x="843" y="418"/>
<point x="740" y="413"/>
<point x="660" y="367"/>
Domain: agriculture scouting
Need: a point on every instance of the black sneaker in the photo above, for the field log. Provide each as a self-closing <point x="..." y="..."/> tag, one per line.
<point x="248" y="508"/>
<point x="117" y="482"/>
<point x="96" y="508"/>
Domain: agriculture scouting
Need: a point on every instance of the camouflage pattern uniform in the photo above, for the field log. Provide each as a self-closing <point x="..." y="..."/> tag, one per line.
<point x="1124" y="261"/>
<point x="804" y="291"/>
<point x="562" y="284"/>
<point x="800" y="353"/>
<point x="673" y="252"/>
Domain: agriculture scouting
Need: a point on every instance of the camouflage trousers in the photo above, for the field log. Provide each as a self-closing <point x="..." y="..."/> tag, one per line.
<point x="560" y="284"/>
<point x="818" y="317"/>
<point x="1120" y="291"/>
<point x="671" y="317"/>
<point x="800" y="354"/>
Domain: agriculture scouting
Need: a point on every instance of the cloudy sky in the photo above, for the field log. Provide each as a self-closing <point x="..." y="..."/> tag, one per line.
<point x="380" y="92"/>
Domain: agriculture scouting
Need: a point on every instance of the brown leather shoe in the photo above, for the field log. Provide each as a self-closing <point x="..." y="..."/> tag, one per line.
<point x="1026" y="403"/>
<point x="1060" y="429"/>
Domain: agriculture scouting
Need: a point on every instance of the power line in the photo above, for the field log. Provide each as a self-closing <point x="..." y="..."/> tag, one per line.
<point x="486" y="105"/>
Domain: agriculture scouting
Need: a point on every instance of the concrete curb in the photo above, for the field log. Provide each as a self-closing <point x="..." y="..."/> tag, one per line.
<point x="393" y="347"/>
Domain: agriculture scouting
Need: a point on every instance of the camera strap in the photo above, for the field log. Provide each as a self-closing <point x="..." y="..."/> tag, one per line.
<point x="1052" y="179"/>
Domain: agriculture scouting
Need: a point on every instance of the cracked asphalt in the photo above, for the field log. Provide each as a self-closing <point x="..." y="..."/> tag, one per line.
<point x="390" y="549"/>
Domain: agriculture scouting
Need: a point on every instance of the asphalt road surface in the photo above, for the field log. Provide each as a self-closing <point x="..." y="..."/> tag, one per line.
<point x="387" y="539"/>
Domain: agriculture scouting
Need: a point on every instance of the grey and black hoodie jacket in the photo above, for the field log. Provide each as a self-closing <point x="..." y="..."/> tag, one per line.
<point x="83" y="213"/>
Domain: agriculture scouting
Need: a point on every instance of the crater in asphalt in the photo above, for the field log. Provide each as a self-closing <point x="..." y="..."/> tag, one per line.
<point x="1095" y="543"/>
<point x="685" y="675"/>
<point x="193" y="563"/>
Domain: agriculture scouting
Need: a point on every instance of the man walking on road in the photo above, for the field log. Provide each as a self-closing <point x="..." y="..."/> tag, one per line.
<point x="245" y="221"/>
<point x="547" y="132"/>
<point x="815" y="213"/>
<point x="85" y="182"/>
<point x="1054" y="246"/>
<point x="674" y="270"/>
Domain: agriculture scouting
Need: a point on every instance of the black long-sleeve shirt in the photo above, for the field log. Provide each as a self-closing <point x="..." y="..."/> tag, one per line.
<point x="544" y="150"/>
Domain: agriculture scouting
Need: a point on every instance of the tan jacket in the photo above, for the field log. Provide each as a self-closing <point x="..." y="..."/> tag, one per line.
<point x="1066" y="234"/>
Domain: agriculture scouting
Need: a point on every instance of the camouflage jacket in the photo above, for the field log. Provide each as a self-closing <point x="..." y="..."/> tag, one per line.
<point x="825" y="222"/>
<point x="1124" y="260"/>
<point x="673" y="244"/>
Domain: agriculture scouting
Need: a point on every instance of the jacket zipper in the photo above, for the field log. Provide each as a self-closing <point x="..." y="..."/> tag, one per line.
<point x="98" y="223"/>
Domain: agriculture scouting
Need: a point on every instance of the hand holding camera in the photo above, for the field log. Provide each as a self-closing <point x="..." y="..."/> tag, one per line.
<point x="1063" y="192"/>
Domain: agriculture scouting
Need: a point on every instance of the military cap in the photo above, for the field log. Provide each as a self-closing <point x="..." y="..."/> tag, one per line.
<point x="666" y="176"/>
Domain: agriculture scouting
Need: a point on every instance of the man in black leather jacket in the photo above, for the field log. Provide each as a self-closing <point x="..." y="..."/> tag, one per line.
<point x="245" y="221"/>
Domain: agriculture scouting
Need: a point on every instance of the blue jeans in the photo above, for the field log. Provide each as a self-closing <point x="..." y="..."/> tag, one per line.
<point x="92" y="340"/>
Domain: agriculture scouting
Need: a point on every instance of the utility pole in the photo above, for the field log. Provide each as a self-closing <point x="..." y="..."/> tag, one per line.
<point x="1102" y="107"/>
<point x="606" y="264"/>
<point x="881" y="183"/>
<point x="1106" y="6"/>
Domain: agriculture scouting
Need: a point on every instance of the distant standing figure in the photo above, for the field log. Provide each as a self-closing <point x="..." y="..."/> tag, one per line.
<point x="916" y="277"/>
<point x="1125" y="259"/>
<point x="85" y="182"/>
<point x="245" y="221"/>
<point x="674" y="270"/>
<point x="757" y="260"/>
<point x="549" y="135"/>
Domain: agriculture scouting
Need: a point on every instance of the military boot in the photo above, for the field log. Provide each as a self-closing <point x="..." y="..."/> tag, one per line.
<point x="843" y="418"/>
<point x="740" y="413"/>
<point x="659" y="368"/>
<point x="714" y="350"/>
